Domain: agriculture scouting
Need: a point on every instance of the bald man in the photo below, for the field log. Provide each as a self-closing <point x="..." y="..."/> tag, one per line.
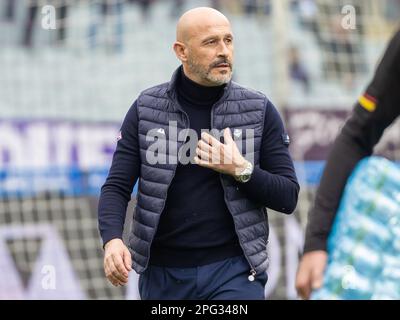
<point x="210" y="157"/>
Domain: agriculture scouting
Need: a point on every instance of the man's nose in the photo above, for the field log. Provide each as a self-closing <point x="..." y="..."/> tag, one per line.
<point x="223" y="50"/>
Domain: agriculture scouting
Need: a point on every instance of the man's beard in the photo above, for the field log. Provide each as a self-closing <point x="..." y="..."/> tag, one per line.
<point x="206" y="73"/>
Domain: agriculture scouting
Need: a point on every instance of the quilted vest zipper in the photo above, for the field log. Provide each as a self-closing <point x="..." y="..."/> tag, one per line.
<point x="253" y="272"/>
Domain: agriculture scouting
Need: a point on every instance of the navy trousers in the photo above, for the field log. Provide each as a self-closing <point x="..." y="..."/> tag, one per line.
<point x="222" y="280"/>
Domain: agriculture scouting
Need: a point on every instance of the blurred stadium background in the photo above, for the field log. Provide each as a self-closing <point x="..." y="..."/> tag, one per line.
<point x="65" y="91"/>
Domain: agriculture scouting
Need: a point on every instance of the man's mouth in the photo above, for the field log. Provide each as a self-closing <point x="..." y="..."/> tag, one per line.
<point x="223" y="65"/>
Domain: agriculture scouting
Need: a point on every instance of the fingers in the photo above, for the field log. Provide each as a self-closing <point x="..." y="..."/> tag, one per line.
<point x="227" y="136"/>
<point x="127" y="260"/>
<point x="203" y="155"/>
<point x="115" y="282"/>
<point x="209" y="154"/>
<point x="115" y="270"/>
<point x="203" y="163"/>
<point x="303" y="282"/>
<point x="117" y="262"/>
<point x="311" y="273"/>
<point x="118" y="268"/>
<point x="309" y="279"/>
<point x="204" y="146"/>
<point x="209" y="139"/>
<point x="317" y="277"/>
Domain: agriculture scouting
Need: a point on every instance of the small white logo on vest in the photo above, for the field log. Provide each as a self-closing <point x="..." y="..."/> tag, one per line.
<point x="161" y="130"/>
<point x="237" y="133"/>
<point x="119" y="136"/>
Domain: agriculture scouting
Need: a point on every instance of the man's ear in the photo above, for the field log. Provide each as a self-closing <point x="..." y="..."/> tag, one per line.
<point x="180" y="51"/>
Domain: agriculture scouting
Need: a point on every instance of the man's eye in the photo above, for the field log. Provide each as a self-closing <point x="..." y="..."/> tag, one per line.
<point x="210" y="41"/>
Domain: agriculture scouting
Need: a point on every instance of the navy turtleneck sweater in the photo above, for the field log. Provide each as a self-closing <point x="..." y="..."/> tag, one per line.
<point x="196" y="227"/>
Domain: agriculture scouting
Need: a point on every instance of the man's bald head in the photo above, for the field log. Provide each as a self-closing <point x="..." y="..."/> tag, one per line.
<point x="204" y="45"/>
<point x="196" y="19"/>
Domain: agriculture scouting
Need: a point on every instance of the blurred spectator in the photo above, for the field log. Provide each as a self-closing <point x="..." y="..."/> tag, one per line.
<point x="30" y="20"/>
<point x="344" y="54"/>
<point x="252" y="6"/>
<point x="9" y="12"/>
<point x="216" y="4"/>
<point x="61" y="20"/>
<point x="177" y="8"/>
<point x="297" y="70"/>
<point x="145" y="6"/>
<point x="104" y="12"/>
<point x="308" y="11"/>
<point x="392" y="10"/>
<point x="267" y="7"/>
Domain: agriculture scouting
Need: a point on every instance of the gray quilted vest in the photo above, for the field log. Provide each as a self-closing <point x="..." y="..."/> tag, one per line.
<point x="238" y="108"/>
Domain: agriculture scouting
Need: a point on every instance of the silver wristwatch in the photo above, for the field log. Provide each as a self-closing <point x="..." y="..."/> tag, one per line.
<point x="245" y="174"/>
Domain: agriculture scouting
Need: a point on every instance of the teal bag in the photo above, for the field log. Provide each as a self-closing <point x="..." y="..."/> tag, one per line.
<point x="364" y="244"/>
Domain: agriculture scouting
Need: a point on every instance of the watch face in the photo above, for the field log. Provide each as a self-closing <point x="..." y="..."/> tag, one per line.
<point x="248" y="177"/>
<point x="245" y="177"/>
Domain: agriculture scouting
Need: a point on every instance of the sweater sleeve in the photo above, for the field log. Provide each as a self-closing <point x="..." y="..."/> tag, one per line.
<point x="359" y="135"/>
<point x="124" y="172"/>
<point x="273" y="183"/>
<point x="374" y="112"/>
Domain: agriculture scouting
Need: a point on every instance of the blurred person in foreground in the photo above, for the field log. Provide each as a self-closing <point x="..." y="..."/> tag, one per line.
<point x="200" y="228"/>
<point x="372" y="114"/>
